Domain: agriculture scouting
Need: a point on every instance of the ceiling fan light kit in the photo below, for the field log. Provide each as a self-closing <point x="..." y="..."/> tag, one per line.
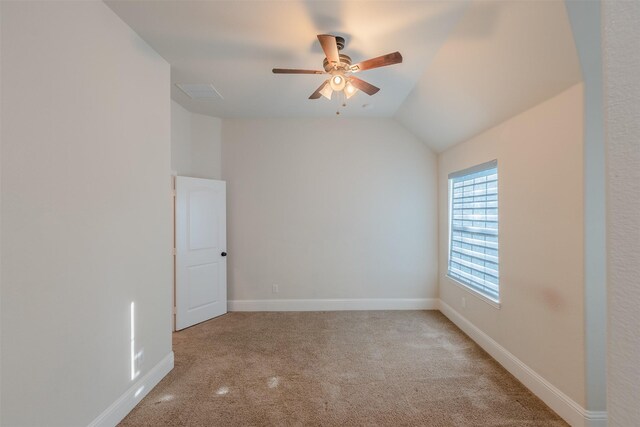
<point x="338" y="82"/>
<point x="349" y="90"/>
<point x="340" y="69"/>
<point x="326" y="91"/>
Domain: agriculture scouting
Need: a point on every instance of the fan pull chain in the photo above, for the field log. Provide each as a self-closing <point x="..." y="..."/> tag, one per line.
<point x="344" y="102"/>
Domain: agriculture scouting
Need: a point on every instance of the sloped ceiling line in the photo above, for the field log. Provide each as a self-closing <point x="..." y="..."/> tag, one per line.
<point x="501" y="59"/>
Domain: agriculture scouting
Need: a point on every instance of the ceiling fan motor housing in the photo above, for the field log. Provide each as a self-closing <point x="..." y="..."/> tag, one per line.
<point x="345" y="62"/>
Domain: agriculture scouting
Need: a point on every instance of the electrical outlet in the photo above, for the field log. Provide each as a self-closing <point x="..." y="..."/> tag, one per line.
<point x="464" y="302"/>
<point x="275" y="289"/>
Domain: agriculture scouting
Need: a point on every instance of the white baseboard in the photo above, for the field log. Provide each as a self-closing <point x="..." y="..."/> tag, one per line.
<point x="334" y="304"/>
<point x="572" y="412"/>
<point x="130" y="398"/>
<point x="595" y="418"/>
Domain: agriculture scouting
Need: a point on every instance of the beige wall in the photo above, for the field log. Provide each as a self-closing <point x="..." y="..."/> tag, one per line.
<point x="195" y="143"/>
<point x="540" y="178"/>
<point x="621" y="49"/>
<point x="86" y="218"/>
<point x="329" y="209"/>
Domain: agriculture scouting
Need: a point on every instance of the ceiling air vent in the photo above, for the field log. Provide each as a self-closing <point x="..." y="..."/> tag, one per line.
<point x="200" y="90"/>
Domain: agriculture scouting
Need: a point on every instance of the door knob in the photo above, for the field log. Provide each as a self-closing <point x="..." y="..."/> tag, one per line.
<point x="223" y="254"/>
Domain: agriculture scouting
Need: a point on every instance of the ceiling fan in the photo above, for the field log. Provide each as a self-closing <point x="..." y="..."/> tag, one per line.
<point x="340" y="69"/>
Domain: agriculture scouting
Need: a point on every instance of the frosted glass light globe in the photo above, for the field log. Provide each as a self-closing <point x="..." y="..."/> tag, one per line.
<point x="338" y="82"/>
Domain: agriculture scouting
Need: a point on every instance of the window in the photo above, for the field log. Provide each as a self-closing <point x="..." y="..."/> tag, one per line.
<point x="473" y="216"/>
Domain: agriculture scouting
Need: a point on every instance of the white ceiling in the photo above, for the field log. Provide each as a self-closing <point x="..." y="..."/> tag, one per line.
<point x="502" y="58"/>
<point x="467" y="64"/>
<point x="235" y="44"/>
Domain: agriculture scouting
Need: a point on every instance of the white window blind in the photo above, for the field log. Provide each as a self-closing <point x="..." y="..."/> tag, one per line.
<point x="473" y="254"/>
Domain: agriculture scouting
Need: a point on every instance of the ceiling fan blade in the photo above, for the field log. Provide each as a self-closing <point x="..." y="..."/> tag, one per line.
<point x="317" y="94"/>
<point x="330" y="47"/>
<point x="367" y="88"/>
<point x="380" y="61"/>
<point x="294" y="71"/>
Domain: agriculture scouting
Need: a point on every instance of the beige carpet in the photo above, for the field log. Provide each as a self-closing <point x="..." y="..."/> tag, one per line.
<point x="391" y="368"/>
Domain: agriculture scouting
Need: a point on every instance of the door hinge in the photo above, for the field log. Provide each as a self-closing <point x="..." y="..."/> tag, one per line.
<point x="174" y="252"/>
<point x="174" y="311"/>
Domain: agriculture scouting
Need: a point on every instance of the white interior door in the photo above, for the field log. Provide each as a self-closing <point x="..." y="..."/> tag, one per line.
<point x="201" y="239"/>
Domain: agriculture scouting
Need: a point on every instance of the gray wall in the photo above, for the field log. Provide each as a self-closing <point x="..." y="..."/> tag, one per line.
<point x="329" y="209"/>
<point x="86" y="214"/>
<point x="621" y="61"/>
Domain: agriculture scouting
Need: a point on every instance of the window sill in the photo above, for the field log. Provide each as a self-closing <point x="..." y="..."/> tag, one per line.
<point x="478" y="295"/>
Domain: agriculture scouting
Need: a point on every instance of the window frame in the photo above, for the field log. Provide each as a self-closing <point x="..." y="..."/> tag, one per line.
<point x="469" y="286"/>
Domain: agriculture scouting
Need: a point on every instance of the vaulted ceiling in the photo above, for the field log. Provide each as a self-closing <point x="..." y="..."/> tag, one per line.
<point x="468" y="65"/>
